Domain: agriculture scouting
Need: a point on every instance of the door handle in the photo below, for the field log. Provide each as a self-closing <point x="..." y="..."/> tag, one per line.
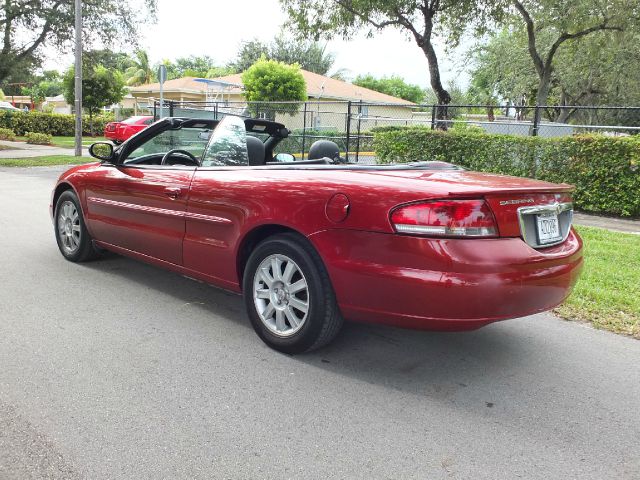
<point x="172" y="192"/>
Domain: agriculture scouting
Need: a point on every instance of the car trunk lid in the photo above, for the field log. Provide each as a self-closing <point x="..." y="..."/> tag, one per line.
<point x="522" y="207"/>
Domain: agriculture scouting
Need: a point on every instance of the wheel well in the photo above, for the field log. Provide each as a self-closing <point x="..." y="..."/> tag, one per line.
<point x="253" y="238"/>
<point x="60" y="189"/>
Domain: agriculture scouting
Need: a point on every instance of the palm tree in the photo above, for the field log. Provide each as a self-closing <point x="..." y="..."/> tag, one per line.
<point x="140" y="72"/>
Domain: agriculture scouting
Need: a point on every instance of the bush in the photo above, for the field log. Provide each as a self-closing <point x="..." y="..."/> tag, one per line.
<point x="603" y="169"/>
<point x="56" y="124"/>
<point x="273" y="81"/>
<point x="7" y="134"/>
<point x="39" y="138"/>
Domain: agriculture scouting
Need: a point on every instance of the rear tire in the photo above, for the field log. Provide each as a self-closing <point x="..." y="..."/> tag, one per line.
<point x="289" y="297"/>
<point x="72" y="236"/>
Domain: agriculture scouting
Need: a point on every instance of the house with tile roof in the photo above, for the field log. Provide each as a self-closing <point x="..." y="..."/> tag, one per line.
<point x="326" y="107"/>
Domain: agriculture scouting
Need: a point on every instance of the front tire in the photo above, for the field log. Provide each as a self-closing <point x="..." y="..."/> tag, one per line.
<point x="289" y="297"/>
<point x="72" y="236"/>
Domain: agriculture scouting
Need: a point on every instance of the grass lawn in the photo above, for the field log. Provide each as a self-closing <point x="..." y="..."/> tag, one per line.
<point x="69" y="142"/>
<point x="44" y="161"/>
<point x="608" y="292"/>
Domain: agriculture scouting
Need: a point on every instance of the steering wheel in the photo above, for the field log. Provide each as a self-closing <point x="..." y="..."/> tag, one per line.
<point x="178" y="151"/>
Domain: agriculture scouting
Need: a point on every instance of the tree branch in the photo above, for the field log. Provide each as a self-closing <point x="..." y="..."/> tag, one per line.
<point x="571" y="36"/>
<point x="346" y="5"/>
<point x="531" y="37"/>
<point x="46" y="29"/>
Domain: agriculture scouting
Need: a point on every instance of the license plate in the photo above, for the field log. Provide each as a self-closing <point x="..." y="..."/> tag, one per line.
<point x="548" y="228"/>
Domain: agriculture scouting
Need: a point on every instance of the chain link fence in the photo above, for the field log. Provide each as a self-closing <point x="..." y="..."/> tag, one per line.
<point x="351" y="124"/>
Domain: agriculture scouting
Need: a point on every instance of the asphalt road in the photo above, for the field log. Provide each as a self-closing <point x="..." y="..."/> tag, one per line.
<point x="115" y="369"/>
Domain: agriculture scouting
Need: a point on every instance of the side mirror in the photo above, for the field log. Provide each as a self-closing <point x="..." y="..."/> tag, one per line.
<point x="284" y="157"/>
<point x="101" y="151"/>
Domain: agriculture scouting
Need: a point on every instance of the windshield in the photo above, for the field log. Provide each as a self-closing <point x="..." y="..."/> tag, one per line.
<point x="192" y="139"/>
<point x="228" y="144"/>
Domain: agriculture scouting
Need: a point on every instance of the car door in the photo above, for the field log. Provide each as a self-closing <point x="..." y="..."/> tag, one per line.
<point x="140" y="205"/>
<point x="214" y="214"/>
<point x="141" y="209"/>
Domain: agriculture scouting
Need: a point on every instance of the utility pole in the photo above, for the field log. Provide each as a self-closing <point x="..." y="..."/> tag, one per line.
<point x="78" y="79"/>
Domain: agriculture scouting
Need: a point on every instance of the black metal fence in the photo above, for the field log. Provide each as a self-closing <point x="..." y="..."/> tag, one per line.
<point x="351" y="124"/>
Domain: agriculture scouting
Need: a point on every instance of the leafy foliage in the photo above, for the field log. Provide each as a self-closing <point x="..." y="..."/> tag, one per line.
<point x="394" y="86"/>
<point x="603" y="169"/>
<point x="593" y="71"/>
<point x="310" y="55"/>
<point x="7" y="134"/>
<point x="38" y="138"/>
<point x="52" y="123"/>
<point x="140" y="71"/>
<point x="551" y="25"/>
<point x="419" y="19"/>
<point x="100" y="88"/>
<point x="28" y="25"/>
<point x="272" y="81"/>
<point x="195" y="66"/>
<point x="49" y="84"/>
<point x="107" y="58"/>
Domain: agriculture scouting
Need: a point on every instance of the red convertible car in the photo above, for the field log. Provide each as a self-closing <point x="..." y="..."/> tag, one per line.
<point x="119" y="132"/>
<point x="425" y="245"/>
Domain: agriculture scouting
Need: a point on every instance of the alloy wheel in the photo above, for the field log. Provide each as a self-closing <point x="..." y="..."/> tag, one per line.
<point x="281" y="295"/>
<point x="69" y="229"/>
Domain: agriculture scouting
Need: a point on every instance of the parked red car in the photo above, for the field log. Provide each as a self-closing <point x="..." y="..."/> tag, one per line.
<point x="118" y="132"/>
<point x="426" y="245"/>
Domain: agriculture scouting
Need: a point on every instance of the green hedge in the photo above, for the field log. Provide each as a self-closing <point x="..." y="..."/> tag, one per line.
<point x="604" y="170"/>
<point x="38" y="138"/>
<point x="57" y="124"/>
<point x="7" y="134"/>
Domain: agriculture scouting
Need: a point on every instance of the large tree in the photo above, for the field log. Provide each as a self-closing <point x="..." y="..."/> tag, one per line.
<point x="310" y="55"/>
<point x="552" y="24"/>
<point x="101" y="87"/>
<point x="420" y="19"/>
<point x="598" y="70"/>
<point x="27" y="25"/>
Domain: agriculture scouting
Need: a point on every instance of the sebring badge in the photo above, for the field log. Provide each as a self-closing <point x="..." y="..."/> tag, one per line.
<point x="517" y="202"/>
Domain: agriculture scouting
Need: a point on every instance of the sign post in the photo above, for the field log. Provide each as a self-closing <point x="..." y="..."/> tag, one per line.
<point x="162" y="77"/>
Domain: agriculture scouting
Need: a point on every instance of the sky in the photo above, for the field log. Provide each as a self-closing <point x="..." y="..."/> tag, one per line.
<point x="216" y="28"/>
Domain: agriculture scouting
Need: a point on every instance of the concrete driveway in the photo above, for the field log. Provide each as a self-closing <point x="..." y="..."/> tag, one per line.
<point x="115" y="369"/>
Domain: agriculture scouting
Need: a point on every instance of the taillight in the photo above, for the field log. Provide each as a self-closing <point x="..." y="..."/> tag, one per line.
<point x="446" y="218"/>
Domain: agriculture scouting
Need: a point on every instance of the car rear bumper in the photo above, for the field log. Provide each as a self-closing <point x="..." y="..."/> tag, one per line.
<point x="445" y="284"/>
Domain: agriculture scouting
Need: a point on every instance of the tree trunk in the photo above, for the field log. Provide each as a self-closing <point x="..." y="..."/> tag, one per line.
<point x="565" y="114"/>
<point x="544" y="85"/>
<point x="444" y="98"/>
